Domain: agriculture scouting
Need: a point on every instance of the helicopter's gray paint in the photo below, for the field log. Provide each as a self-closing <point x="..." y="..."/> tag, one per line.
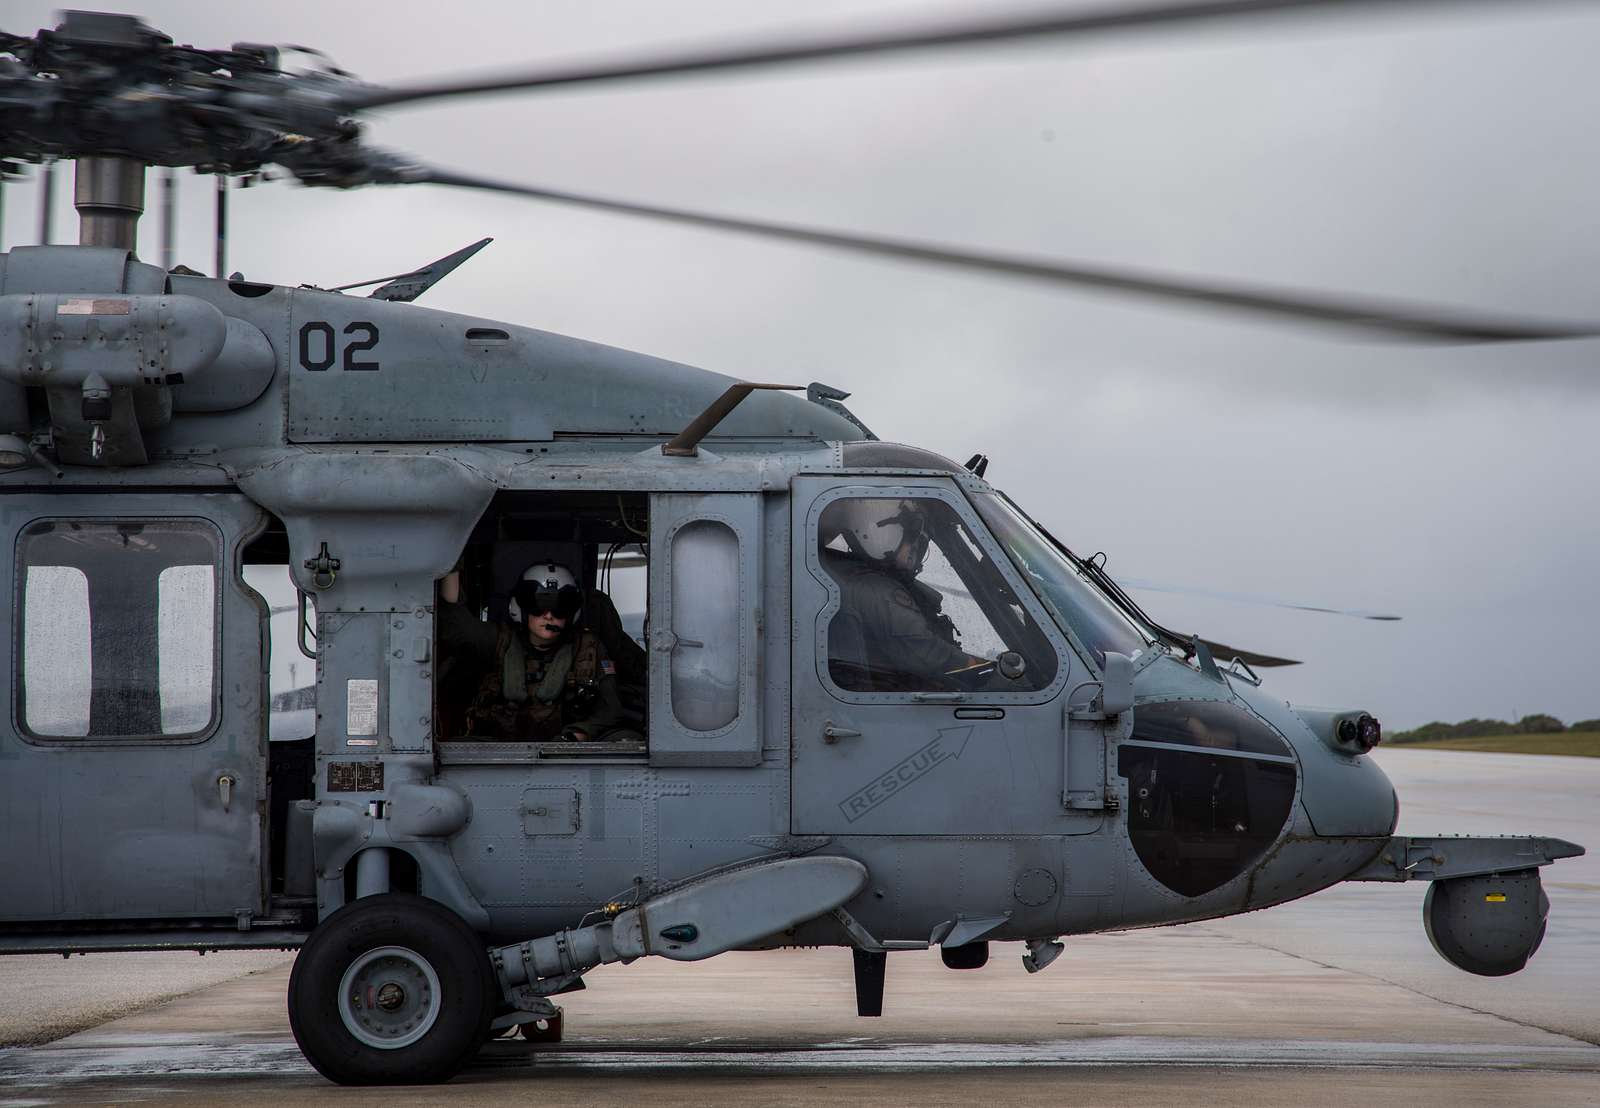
<point x="519" y="389"/>
<point x="691" y="923"/>
<point x="79" y="269"/>
<point x="1343" y="794"/>
<point x="739" y="742"/>
<point x="191" y="938"/>
<point x="256" y="415"/>
<point x="1016" y="834"/>
<point x="124" y="829"/>
<point x="444" y="377"/>
<point x="342" y="829"/>
<point x="1004" y="775"/>
<point x="244" y="368"/>
<point x="13" y="408"/>
<point x="394" y="531"/>
<point x="652" y="817"/>
<point x="45" y="270"/>
<point x="56" y="340"/>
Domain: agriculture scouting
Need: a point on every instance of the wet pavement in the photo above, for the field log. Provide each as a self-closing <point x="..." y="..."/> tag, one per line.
<point x="1376" y="929"/>
<point x="1338" y="999"/>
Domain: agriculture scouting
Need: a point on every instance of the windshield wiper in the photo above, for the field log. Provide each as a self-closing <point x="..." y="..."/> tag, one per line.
<point x="1101" y="580"/>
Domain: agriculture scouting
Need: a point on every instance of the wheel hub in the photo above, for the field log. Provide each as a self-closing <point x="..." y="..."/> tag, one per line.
<point x="389" y="997"/>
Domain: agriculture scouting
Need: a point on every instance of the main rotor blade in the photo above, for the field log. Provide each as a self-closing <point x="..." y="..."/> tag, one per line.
<point x="1225" y="654"/>
<point x="949" y="31"/>
<point x="1247" y="598"/>
<point x="1398" y="320"/>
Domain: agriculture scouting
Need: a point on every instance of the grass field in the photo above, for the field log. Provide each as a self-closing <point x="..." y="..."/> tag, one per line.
<point x="1582" y="744"/>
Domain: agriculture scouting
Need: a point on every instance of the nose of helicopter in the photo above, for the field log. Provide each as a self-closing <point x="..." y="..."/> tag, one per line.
<point x="1347" y="806"/>
<point x="1343" y="790"/>
<point x="1217" y="789"/>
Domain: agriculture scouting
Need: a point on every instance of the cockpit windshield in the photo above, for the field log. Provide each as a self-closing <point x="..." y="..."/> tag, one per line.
<point x="1072" y="599"/>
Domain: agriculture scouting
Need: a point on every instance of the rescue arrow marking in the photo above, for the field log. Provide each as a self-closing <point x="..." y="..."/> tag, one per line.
<point x="948" y="744"/>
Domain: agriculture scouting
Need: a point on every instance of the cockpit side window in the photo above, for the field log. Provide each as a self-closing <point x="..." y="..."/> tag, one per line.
<point x="922" y="608"/>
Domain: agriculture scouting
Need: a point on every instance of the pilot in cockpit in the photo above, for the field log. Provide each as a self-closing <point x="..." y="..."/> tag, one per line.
<point x="891" y="633"/>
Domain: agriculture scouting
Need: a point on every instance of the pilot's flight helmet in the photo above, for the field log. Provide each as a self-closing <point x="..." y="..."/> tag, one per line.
<point x="878" y="528"/>
<point x="546" y="587"/>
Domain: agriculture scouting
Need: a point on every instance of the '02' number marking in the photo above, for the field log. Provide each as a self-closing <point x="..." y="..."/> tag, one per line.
<point x="319" y="348"/>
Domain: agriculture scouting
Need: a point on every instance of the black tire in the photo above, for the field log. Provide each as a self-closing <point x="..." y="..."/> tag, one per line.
<point x="966" y="956"/>
<point x="429" y="993"/>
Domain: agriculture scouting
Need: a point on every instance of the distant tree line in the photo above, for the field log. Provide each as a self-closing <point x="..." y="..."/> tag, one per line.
<point x="1537" y="724"/>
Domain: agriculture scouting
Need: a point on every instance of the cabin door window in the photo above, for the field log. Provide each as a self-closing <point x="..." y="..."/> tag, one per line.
<point x="119" y="628"/>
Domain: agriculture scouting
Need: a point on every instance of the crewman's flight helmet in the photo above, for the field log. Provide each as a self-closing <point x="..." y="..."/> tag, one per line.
<point x="546" y="587"/>
<point x="877" y="529"/>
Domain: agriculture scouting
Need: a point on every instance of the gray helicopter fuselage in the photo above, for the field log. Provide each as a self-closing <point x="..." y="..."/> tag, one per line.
<point x="871" y="703"/>
<point x="375" y="441"/>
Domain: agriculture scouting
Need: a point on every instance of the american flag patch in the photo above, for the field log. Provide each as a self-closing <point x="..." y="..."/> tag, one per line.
<point x="608" y="667"/>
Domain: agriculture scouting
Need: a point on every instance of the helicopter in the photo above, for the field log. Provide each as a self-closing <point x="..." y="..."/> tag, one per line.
<point x="786" y="779"/>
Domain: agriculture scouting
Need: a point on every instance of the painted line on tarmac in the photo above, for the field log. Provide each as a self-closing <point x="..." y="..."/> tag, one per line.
<point x="183" y="1057"/>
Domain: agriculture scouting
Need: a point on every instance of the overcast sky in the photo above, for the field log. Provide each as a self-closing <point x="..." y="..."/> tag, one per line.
<point x="1448" y="159"/>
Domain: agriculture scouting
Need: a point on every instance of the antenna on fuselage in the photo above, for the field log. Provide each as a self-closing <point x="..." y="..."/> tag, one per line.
<point x="686" y="443"/>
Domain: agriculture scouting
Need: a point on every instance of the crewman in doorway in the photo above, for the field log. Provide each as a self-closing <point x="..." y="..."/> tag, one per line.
<point x="546" y="678"/>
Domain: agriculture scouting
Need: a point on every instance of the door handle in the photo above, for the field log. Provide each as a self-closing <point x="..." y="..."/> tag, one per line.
<point x="225" y="785"/>
<point x="667" y="641"/>
<point x="832" y="732"/>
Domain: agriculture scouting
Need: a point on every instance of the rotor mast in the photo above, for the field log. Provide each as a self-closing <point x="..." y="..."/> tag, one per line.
<point x="109" y="195"/>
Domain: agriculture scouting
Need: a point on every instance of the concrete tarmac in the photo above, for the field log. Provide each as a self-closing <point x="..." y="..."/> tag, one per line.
<point x="1335" y="1000"/>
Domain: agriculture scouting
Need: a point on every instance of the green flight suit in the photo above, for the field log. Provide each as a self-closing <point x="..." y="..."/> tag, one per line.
<point x="553" y="691"/>
<point x="889" y="634"/>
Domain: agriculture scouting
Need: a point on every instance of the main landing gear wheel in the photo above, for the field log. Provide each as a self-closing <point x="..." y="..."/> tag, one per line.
<point x="391" y="990"/>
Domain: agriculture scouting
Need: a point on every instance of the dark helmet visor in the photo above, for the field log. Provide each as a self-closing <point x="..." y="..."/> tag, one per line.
<point x="533" y="599"/>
